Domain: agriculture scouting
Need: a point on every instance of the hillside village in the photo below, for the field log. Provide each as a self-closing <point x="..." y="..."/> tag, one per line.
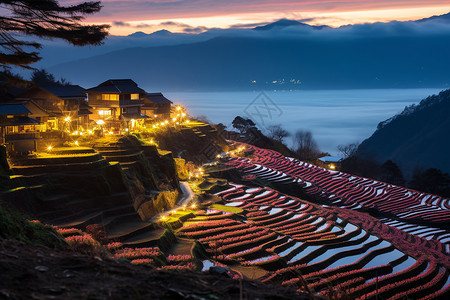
<point x="33" y="115"/>
<point x="125" y="176"/>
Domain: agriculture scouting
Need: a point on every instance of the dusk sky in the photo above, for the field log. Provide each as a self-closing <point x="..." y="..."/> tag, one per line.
<point x="198" y="15"/>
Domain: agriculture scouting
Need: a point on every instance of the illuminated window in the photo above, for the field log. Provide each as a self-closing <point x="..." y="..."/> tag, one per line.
<point x="134" y="96"/>
<point x="104" y="112"/>
<point x="110" y="97"/>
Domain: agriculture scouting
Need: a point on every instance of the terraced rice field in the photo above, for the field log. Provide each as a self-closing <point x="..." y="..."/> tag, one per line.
<point x="403" y="207"/>
<point x="330" y="249"/>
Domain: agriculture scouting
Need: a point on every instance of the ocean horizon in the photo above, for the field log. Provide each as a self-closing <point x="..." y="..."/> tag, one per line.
<point x="333" y="116"/>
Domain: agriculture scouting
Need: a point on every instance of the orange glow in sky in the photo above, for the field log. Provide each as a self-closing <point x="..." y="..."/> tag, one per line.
<point x="195" y="16"/>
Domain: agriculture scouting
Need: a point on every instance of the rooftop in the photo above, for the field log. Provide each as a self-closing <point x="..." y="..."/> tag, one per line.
<point x="13" y="109"/>
<point x="117" y="86"/>
<point x="157" y="98"/>
<point x="65" y="91"/>
<point x="330" y="159"/>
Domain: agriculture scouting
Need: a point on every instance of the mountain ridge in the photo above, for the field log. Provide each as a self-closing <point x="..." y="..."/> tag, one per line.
<point x="243" y="63"/>
<point x="415" y="138"/>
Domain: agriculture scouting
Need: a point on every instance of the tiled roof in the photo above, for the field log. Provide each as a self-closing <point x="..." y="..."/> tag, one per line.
<point x="65" y="91"/>
<point x="117" y="86"/>
<point x="13" y="109"/>
<point x="157" y="98"/>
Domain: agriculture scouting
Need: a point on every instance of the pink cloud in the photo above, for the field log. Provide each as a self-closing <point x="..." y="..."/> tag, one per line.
<point x="170" y="9"/>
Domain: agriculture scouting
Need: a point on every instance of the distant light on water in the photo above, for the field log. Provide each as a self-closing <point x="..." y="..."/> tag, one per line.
<point x="333" y="116"/>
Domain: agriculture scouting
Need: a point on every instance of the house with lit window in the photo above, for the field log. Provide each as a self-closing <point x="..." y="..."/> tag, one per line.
<point x="17" y="129"/>
<point x="65" y="105"/>
<point x="329" y="162"/>
<point x="156" y="106"/>
<point x="117" y="102"/>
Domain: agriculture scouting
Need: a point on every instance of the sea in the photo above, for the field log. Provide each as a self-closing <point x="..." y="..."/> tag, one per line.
<point x="334" y="117"/>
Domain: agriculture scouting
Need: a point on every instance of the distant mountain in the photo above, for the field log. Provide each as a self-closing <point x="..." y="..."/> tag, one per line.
<point x="56" y="52"/>
<point x="274" y="61"/>
<point x="442" y="18"/>
<point x="417" y="137"/>
<point x="283" y="23"/>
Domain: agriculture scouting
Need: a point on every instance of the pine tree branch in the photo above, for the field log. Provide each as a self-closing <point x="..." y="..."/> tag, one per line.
<point x="45" y="19"/>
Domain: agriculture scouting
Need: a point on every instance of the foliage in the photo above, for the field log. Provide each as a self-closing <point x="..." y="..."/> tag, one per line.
<point x="97" y="233"/>
<point x="44" y="19"/>
<point x="243" y="125"/>
<point x="14" y="225"/>
<point x="42" y="77"/>
<point x="85" y="243"/>
<point x="278" y="133"/>
<point x="348" y="150"/>
<point x="165" y="200"/>
<point x="182" y="171"/>
<point x="305" y="145"/>
<point x="432" y="181"/>
<point x="69" y="231"/>
<point x="391" y="173"/>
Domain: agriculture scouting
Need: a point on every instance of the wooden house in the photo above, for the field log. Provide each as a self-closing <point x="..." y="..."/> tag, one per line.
<point x="65" y="104"/>
<point x="329" y="162"/>
<point x="156" y="106"/>
<point x="17" y="129"/>
<point x="117" y="102"/>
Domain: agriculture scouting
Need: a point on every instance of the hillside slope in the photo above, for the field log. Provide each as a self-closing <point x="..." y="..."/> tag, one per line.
<point x="417" y="137"/>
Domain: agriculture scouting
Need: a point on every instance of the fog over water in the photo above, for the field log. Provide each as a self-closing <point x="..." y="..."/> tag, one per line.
<point x="333" y="116"/>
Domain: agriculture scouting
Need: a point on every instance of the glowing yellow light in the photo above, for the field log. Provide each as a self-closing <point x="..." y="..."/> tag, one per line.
<point x="100" y="122"/>
<point x="111" y="132"/>
<point x="174" y="119"/>
<point x="67" y="119"/>
<point x="126" y="129"/>
<point x="193" y="205"/>
<point x="155" y="116"/>
<point x="81" y="133"/>
<point x="332" y="167"/>
<point x="76" y="143"/>
<point x="90" y="131"/>
<point x="200" y="169"/>
<point x="154" y="126"/>
<point x="219" y="156"/>
<point x="167" y="121"/>
<point x="163" y="218"/>
<point x="178" y="107"/>
<point x="178" y="123"/>
<point x="49" y="148"/>
<point x="183" y="114"/>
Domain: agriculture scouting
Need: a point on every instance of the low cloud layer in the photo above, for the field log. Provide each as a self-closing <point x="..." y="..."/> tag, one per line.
<point x="167" y="25"/>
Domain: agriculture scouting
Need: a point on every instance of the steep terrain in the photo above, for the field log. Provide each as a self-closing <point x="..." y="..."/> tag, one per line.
<point x="417" y="137"/>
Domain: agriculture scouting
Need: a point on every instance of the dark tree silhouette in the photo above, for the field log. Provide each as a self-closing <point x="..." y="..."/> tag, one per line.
<point x="42" y="77"/>
<point x="432" y="181"/>
<point x="305" y="146"/>
<point x="44" y="19"/>
<point x="391" y="173"/>
<point x="348" y="150"/>
<point x="244" y="126"/>
<point x="278" y="133"/>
